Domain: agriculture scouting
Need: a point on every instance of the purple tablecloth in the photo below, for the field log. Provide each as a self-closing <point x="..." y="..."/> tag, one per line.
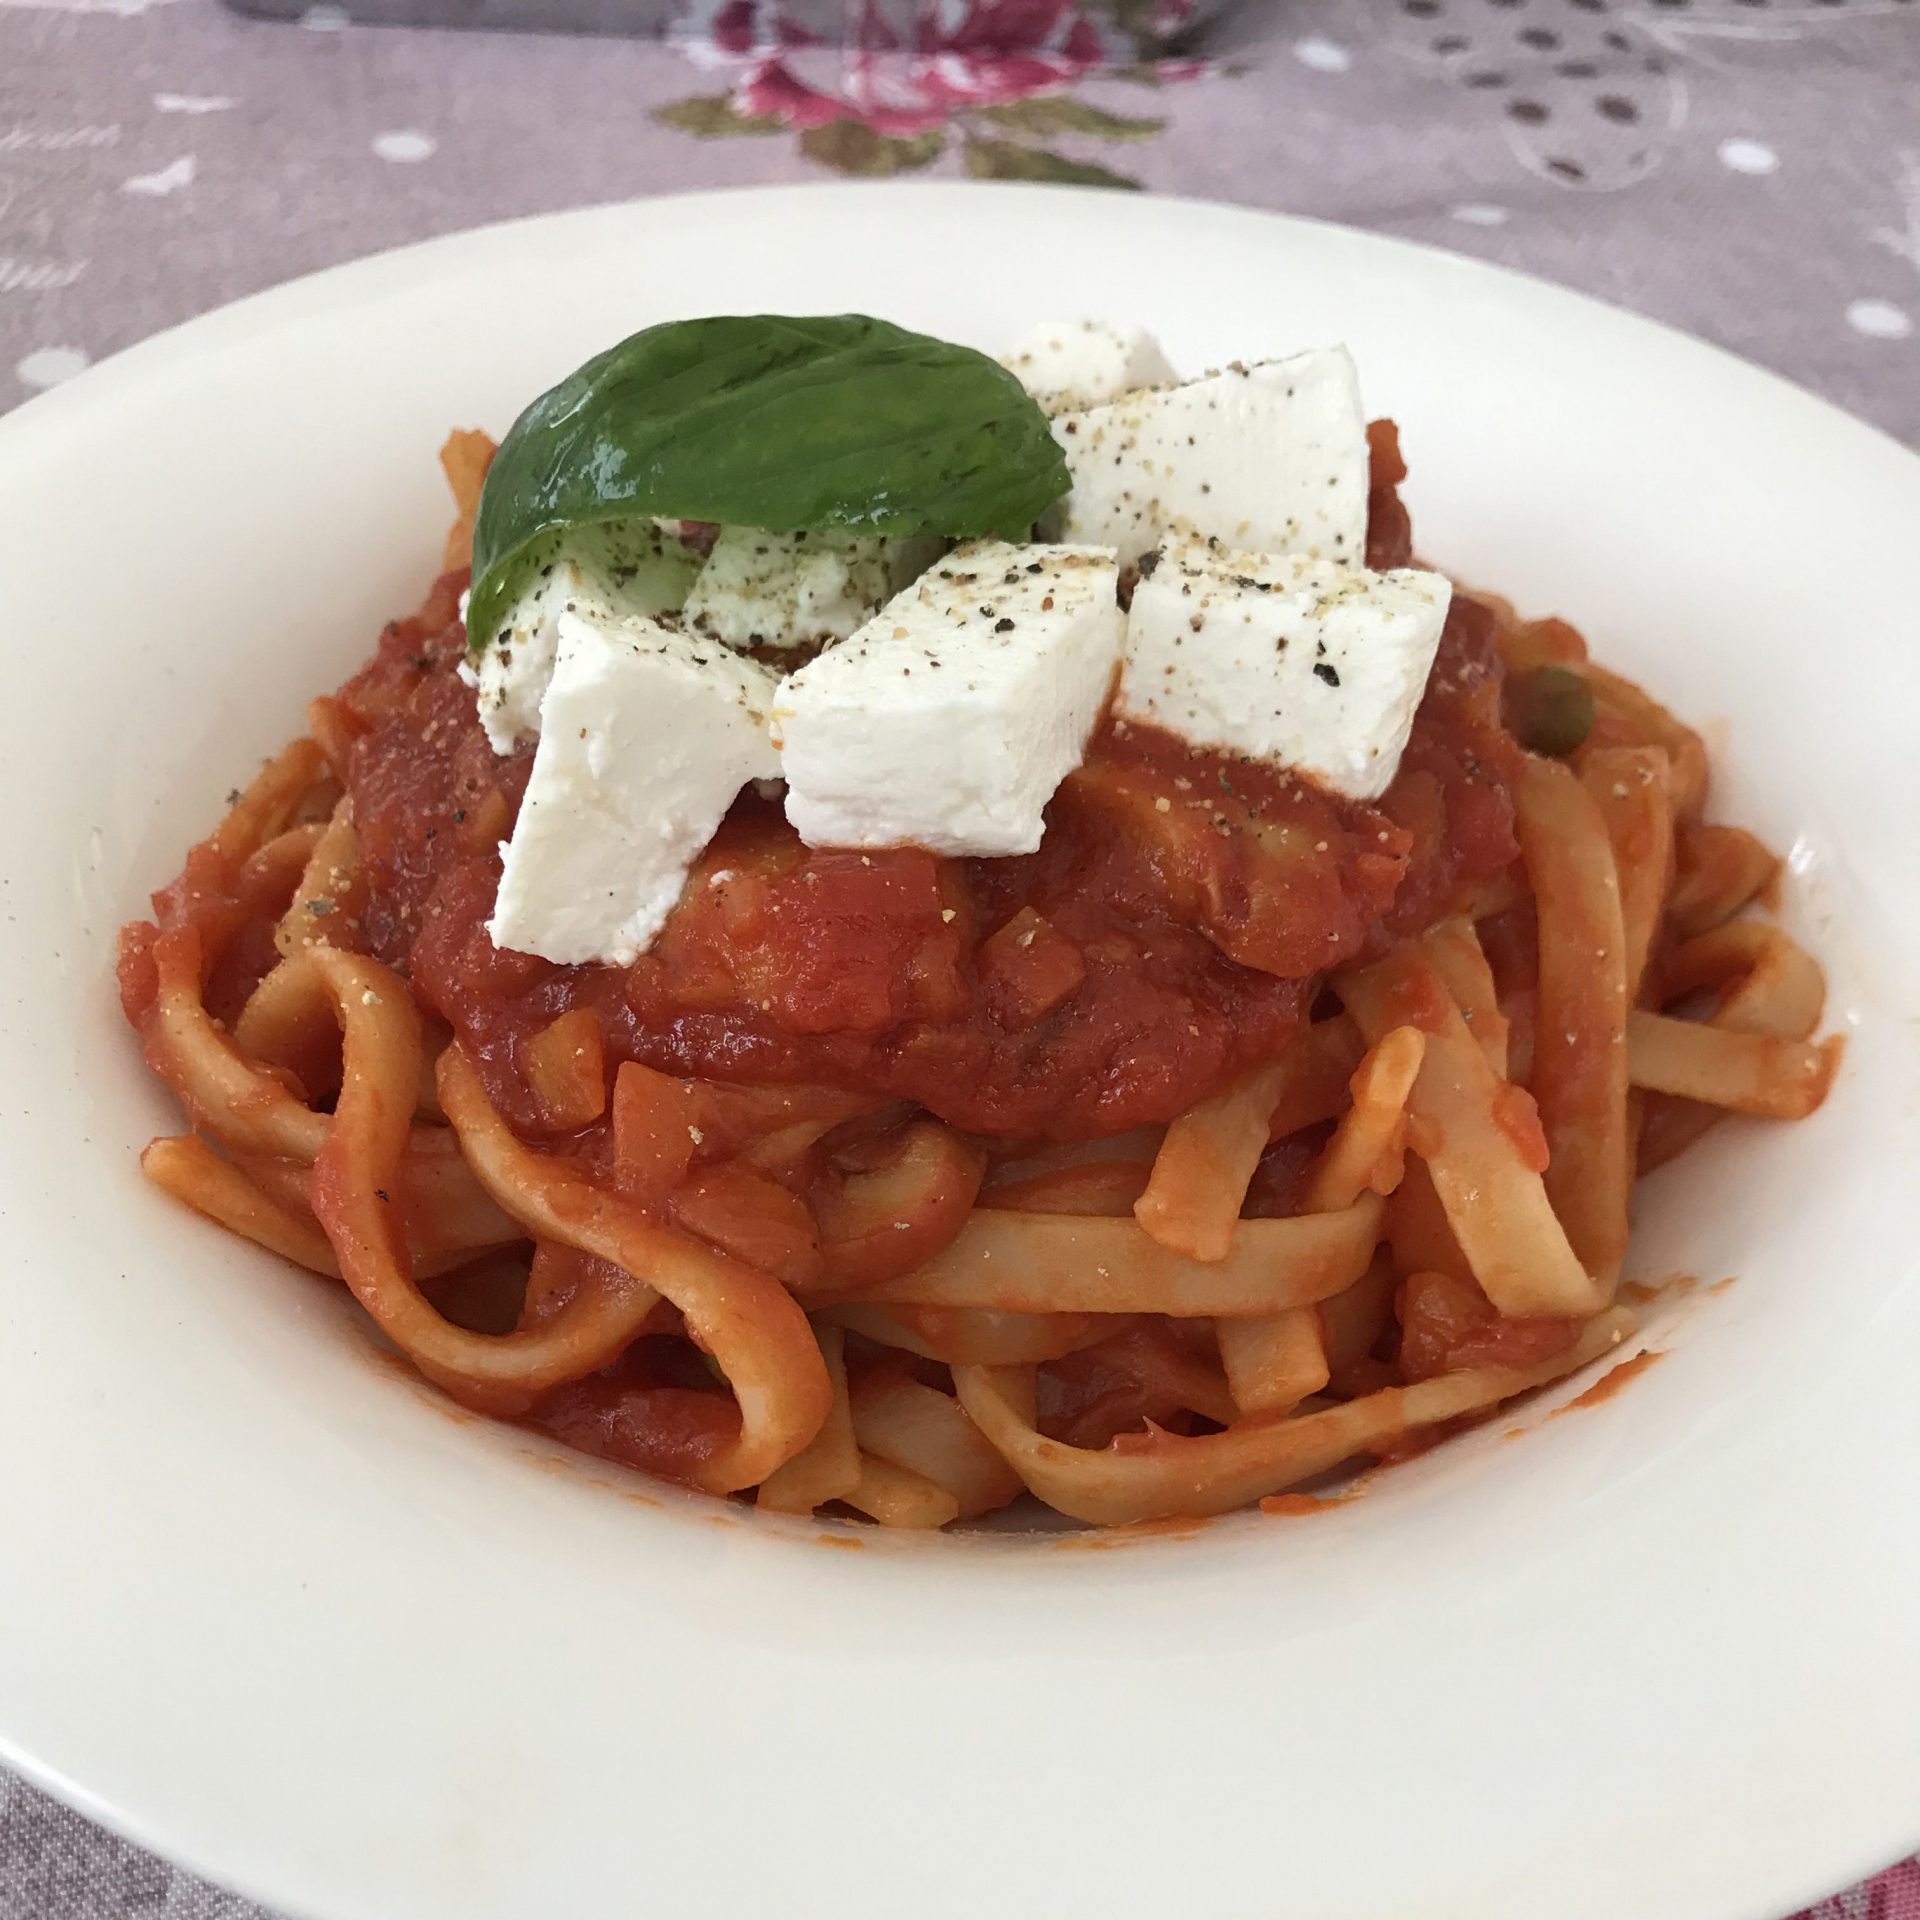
<point x="1746" y="169"/>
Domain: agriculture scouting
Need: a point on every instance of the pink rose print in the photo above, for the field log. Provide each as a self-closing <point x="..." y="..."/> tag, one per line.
<point x="1893" y="1895"/>
<point x="898" y="83"/>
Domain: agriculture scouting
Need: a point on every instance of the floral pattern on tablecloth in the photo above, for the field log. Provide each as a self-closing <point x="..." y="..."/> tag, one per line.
<point x="1895" y="1895"/>
<point x="991" y="79"/>
<point x="1748" y="169"/>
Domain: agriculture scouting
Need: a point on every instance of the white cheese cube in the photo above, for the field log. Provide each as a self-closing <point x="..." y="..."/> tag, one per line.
<point x="646" y="736"/>
<point x="950" y="717"/>
<point x="798" y="589"/>
<point x="1085" y="363"/>
<point x="1269" y="459"/>
<point x="626" y="568"/>
<point x="1294" y="661"/>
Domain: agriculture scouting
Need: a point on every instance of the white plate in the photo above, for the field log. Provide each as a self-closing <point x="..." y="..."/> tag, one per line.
<point x="266" y="1606"/>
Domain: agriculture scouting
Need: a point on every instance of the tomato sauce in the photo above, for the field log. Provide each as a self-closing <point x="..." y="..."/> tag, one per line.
<point x="1167" y="934"/>
<point x="1614" y="1379"/>
<point x="1447" y="1323"/>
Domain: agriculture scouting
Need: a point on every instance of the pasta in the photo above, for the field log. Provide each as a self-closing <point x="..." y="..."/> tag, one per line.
<point x="1034" y="1197"/>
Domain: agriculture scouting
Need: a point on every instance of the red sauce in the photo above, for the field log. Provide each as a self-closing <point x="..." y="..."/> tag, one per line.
<point x="639" y="1413"/>
<point x="1613" y="1380"/>
<point x="1676" y="1286"/>
<point x="1179" y="910"/>
<point x="1107" y="1539"/>
<point x="1516" y="1115"/>
<point x="1447" y="1323"/>
<point x="1299" y="1505"/>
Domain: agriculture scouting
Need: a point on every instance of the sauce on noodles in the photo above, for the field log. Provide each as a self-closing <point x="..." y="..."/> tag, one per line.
<point x="1083" y="990"/>
<point x="1239" y="1132"/>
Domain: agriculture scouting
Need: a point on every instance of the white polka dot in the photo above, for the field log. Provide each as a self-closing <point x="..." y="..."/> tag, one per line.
<point x="48" y="366"/>
<point x="405" y="145"/>
<point x="1748" y="156"/>
<point x="1476" y="213"/>
<point x="1880" y="319"/>
<point x="324" y="18"/>
<point x="1321" y="54"/>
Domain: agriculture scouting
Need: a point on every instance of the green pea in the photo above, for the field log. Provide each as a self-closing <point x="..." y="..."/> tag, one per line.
<point x="1555" y="711"/>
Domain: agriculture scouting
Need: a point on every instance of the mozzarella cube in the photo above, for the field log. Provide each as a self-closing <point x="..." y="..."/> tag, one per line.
<point x="1269" y="459"/>
<point x="948" y="720"/>
<point x="608" y="572"/>
<point x="763" y="589"/>
<point x="1294" y="661"/>
<point x="1085" y="363"/>
<point x="646" y="736"/>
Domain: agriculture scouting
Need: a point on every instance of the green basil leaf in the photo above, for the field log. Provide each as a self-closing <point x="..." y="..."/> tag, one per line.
<point x="795" y="425"/>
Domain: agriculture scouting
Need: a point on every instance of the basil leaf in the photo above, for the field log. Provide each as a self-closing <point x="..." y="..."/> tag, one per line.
<point x="795" y="425"/>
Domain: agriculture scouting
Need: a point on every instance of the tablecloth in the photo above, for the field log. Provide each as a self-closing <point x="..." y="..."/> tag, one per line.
<point x="1746" y="169"/>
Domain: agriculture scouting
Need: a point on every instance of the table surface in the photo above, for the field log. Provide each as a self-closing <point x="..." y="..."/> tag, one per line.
<point x="1748" y="170"/>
